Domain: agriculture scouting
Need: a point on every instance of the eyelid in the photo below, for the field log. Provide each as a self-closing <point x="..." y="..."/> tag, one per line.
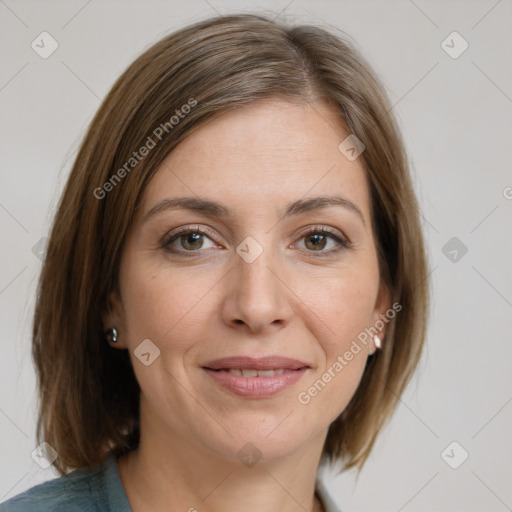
<point x="203" y="230"/>
<point x="326" y="229"/>
<point x="341" y="240"/>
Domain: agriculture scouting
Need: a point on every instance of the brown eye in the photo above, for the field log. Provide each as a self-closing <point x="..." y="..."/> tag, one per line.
<point x="187" y="242"/>
<point x="316" y="242"/>
<point x="191" y="241"/>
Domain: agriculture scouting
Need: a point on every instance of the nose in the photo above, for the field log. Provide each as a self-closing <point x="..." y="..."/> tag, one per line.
<point x="257" y="297"/>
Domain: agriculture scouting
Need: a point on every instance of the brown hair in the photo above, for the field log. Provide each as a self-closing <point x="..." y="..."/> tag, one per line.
<point x="88" y="393"/>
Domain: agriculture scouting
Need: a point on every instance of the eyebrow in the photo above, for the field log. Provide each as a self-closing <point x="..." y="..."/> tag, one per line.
<point x="213" y="208"/>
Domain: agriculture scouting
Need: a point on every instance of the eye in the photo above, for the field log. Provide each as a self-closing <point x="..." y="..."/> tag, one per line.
<point x="318" y="238"/>
<point x="188" y="241"/>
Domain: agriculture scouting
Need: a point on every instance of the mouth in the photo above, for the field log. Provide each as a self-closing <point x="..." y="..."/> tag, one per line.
<point x="255" y="377"/>
<point x="247" y="372"/>
<point x="262" y="364"/>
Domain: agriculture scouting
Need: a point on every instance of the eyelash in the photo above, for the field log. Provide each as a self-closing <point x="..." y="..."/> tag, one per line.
<point x="169" y="238"/>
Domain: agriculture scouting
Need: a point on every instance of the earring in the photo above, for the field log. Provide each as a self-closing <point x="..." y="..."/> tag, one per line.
<point x="111" y="335"/>
<point x="377" y="341"/>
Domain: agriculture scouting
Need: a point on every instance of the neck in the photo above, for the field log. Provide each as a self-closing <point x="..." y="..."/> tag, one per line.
<point x="170" y="470"/>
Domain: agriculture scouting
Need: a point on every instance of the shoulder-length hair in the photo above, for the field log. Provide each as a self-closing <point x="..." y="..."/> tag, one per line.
<point x="88" y="393"/>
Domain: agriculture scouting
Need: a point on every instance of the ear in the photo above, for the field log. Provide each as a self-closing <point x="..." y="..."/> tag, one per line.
<point x="379" y="318"/>
<point x="112" y="316"/>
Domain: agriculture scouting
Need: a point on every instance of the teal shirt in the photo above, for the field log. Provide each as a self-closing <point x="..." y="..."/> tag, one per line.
<point x="94" y="490"/>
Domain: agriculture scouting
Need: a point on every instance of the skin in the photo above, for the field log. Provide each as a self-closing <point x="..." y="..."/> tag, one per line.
<point x="290" y="301"/>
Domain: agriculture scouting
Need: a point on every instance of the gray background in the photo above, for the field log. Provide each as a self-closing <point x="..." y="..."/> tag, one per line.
<point x="456" y="115"/>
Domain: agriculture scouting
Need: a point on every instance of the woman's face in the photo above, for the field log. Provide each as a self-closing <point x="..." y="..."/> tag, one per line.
<point x="263" y="282"/>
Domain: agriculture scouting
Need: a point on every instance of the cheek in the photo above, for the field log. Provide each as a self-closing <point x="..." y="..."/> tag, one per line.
<point x="158" y="303"/>
<point x="165" y="307"/>
<point x="343" y="305"/>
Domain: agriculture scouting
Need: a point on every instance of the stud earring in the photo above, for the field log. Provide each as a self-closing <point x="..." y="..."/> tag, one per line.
<point x="377" y="341"/>
<point x="111" y="335"/>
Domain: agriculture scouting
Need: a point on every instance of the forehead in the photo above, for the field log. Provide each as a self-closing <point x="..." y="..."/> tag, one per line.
<point x="262" y="155"/>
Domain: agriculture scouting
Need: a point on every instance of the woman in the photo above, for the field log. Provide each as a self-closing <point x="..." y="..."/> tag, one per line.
<point x="241" y="225"/>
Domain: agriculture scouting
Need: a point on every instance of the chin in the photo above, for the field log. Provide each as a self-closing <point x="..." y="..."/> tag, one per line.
<point x="251" y="443"/>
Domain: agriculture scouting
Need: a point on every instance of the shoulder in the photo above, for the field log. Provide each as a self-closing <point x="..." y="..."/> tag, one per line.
<point x="79" y="491"/>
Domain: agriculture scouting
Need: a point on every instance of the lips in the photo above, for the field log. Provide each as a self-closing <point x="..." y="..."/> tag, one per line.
<point x="247" y="372"/>
<point x="255" y="377"/>
<point x="255" y="364"/>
